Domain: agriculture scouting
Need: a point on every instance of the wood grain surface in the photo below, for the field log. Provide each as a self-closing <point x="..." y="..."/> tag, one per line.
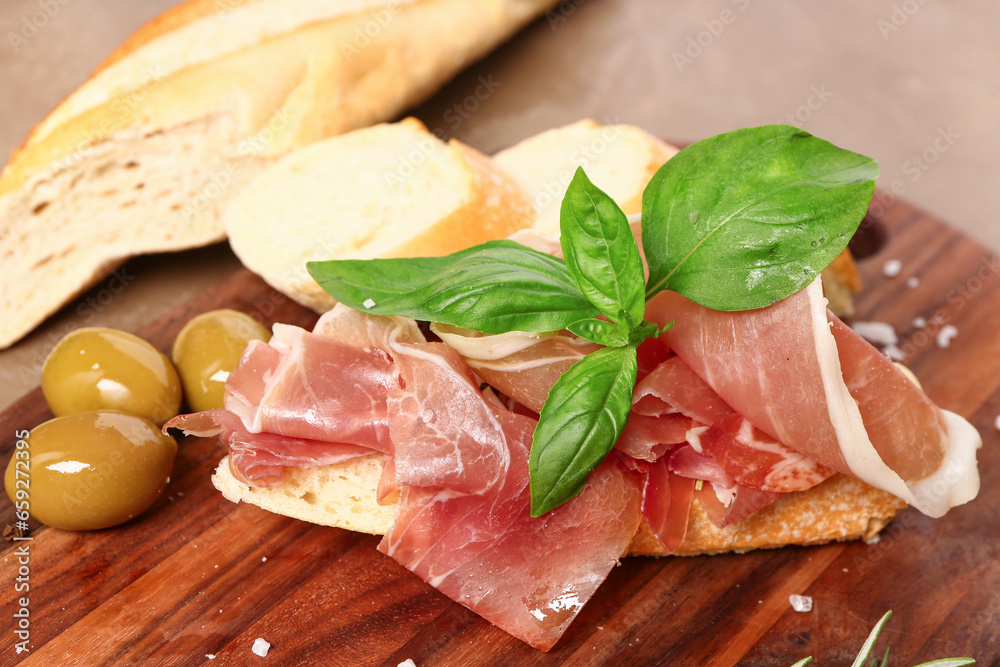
<point x="198" y="576"/>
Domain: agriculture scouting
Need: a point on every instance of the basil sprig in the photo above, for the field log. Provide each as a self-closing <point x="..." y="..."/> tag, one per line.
<point x="735" y="222"/>
<point x="589" y="404"/>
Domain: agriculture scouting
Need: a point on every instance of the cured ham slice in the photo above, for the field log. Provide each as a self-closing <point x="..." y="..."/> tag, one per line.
<point x="530" y="576"/>
<point x="648" y="438"/>
<point x="295" y="387"/>
<point x="306" y="399"/>
<point x="452" y="439"/>
<point x="522" y="365"/>
<point x="755" y="459"/>
<point x="780" y="368"/>
<point x="666" y="502"/>
<point x="742" y="502"/>
<point x="674" y="387"/>
<point x="258" y="458"/>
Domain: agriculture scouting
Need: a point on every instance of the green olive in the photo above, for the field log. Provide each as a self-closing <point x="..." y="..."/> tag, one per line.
<point x="106" y="369"/>
<point x="90" y="471"/>
<point x="207" y="350"/>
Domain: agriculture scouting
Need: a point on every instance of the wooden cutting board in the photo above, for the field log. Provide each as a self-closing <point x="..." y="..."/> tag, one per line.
<point x="198" y="576"/>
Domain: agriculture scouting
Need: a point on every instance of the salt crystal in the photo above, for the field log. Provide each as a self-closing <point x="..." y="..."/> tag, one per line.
<point x="369" y="303"/>
<point x="893" y="352"/>
<point x="877" y="333"/>
<point x="997" y="423"/>
<point x="407" y="663"/>
<point x="801" y="603"/>
<point x="912" y="282"/>
<point x="210" y="656"/>
<point x="945" y="335"/>
<point x="260" y="647"/>
<point x="263" y="559"/>
<point x="919" y="323"/>
<point x="892" y="268"/>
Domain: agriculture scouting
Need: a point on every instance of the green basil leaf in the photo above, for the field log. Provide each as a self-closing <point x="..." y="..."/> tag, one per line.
<point x="496" y="287"/>
<point x="579" y="424"/>
<point x="747" y="218"/>
<point x="601" y="252"/>
<point x="600" y="332"/>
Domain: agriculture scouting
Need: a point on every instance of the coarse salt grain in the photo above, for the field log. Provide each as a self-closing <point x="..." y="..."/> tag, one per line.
<point x="801" y="603"/>
<point x="877" y="333"/>
<point x="912" y="282"/>
<point x="260" y="647"/>
<point x="945" y="335"/>
<point x="892" y="268"/>
<point x="210" y="656"/>
<point x="893" y="352"/>
<point x="369" y="303"/>
<point x="407" y="663"/>
<point x="997" y="423"/>
<point x="919" y="323"/>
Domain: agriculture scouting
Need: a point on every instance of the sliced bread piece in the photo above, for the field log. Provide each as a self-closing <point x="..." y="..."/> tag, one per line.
<point x="146" y="155"/>
<point x="343" y="496"/>
<point x="391" y="190"/>
<point x="619" y="159"/>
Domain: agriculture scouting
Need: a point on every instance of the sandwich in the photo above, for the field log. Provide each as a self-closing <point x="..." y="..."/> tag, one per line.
<point x="516" y="416"/>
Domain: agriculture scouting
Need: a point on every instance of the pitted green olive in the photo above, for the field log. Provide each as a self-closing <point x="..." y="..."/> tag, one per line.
<point x="90" y="471"/>
<point x="207" y="350"/>
<point x="106" y="369"/>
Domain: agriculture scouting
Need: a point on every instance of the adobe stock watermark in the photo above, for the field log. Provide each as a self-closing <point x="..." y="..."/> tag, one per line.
<point x="32" y="24"/>
<point x="818" y="96"/>
<point x="121" y="112"/>
<point x="554" y="190"/>
<point x="222" y="180"/>
<point x="561" y="12"/>
<point x="898" y="17"/>
<point x="22" y="552"/>
<point x="461" y="111"/>
<point x="914" y="169"/>
<point x="696" y="45"/>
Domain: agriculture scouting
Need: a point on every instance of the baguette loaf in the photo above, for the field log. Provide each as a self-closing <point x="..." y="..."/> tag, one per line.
<point x="384" y="191"/>
<point x="343" y="496"/>
<point x="146" y="155"/>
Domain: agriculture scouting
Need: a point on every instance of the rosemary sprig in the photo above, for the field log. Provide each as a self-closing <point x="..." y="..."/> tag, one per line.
<point x="869" y="644"/>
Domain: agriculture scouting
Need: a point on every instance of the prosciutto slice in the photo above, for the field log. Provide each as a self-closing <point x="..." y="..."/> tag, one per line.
<point x="782" y="369"/>
<point x="755" y="459"/>
<point x="258" y="459"/>
<point x="467" y="530"/>
<point x="306" y="399"/>
<point x="522" y="365"/>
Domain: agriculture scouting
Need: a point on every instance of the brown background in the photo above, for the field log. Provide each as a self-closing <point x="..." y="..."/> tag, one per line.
<point x="887" y="79"/>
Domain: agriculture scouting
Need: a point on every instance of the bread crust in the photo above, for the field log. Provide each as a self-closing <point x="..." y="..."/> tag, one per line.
<point x="344" y="496"/>
<point x="90" y="158"/>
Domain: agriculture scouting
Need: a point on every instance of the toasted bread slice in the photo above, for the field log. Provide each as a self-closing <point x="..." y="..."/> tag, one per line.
<point x="147" y="153"/>
<point x="619" y="159"/>
<point x="391" y="190"/>
<point x="343" y="496"/>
